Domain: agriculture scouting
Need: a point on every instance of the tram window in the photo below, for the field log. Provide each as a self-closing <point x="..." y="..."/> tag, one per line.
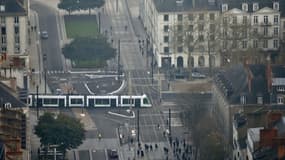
<point x="76" y="101"/>
<point x="127" y="101"/>
<point x="50" y="101"/>
<point x="145" y="101"/>
<point x="102" y="101"/>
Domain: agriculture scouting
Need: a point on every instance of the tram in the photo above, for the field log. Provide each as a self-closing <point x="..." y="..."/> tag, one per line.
<point x="89" y="101"/>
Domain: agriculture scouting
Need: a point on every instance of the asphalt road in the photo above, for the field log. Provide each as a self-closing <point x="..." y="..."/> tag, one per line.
<point x="51" y="46"/>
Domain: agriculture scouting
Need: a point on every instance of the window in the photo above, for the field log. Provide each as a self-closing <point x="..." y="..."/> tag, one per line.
<point x="191" y="38"/>
<point x="179" y="28"/>
<point x="17" y="49"/>
<point x="276" y="5"/>
<point x="180" y="17"/>
<point x="244" y="33"/>
<point x="4" y="49"/>
<point x="276" y="31"/>
<point x="212" y="27"/>
<point x="265" y="31"/>
<point x="244" y="44"/>
<point x="190" y="49"/>
<point x="224" y="33"/>
<point x="201" y="27"/>
<point x="255" y="30"/>
<point x="166" y="49"/>
<point x="225" y="44"/>
<point x="280" y="100"/>
<point x="255" y="6"/>
<point x="234" y="44"/>
<point x="255" y="19"/>
<point x="3" y="30"/>
<point x="166" y="17"/>
<point x="17" y="39"/>
<point x="234" y="20"/>
<point x="212" y="37"/>
<point x="3" y="20"/>
<point x="201" y="16"/>
<point x="255" y="43"/>
<point x="179" y="39"/>
<point x="190" y="17"/>
<point x="16" y="20"/>
<point x="166" y="39"/>
<point x="275" y="43"/>
<point x="276" y="19"/>
<point x="265" y="19"/>
<point x="3" y="40"/>
<point x="212" y="16"/>
<point x="225" y="20"/>
<point x="265" y="43"/>
<point x="201" y="38"/>
<point x="244" y="20"/>
<point x="180" y="49"/>
<point x="16" y="29"/>
<point x="165" y="28"/>
<point x="190" y="28"/>
<point x="244" y="7"/>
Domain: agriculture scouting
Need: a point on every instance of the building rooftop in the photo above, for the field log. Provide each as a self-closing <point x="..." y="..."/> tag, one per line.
<point x="234" y="82"/>
<point x="185" y="5"/>
<point x="8" y="96"/>
<point x="12" y="7"/>
<point x="254" y="133"/>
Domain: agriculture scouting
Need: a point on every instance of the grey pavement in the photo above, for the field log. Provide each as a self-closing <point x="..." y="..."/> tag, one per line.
<point x="35" y="57"/>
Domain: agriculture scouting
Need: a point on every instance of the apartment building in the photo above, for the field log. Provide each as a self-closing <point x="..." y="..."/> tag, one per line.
<point x="180" y="31"/>
<point x="250" y="30"/>
<point x="211" y="33"/>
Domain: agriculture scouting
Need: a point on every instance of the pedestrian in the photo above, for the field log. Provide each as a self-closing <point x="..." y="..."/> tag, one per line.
<point x="150" y="147"/>
<point x="156" y="146"/>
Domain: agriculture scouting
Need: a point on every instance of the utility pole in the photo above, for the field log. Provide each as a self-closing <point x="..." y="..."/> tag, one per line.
<point x="169" y="122"/>
<point x="152" y="68"/>
<point x="45" y="72"/>
<point x="116" y="5"/>
<point x="130" y="90"/>
<point x="159" y="85"/>
<point x="138" y="125"/>
<point x="119" y="48"/>
<point x="37" y="102"/>
<point x="99" y="21"/>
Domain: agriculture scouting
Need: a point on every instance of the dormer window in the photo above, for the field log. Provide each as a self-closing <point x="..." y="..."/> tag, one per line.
<point x="276" y="6"/>
<point x="245" y="7"/>
<point x="2" y="8"/>
<point x="259" y="99"/>
<point x="255" y="7"/>
<point x="280" y="99"/>
<point x="224" y="7"/>
<point x="243" y="99"/>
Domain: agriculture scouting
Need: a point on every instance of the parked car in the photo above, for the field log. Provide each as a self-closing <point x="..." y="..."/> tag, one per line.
<point x="198" y="75"/>
<point x="44" y="35"/>
<point x="113" y="154"/>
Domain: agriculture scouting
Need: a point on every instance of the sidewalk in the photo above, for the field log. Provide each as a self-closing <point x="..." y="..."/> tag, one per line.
<point x="35" y="57"/>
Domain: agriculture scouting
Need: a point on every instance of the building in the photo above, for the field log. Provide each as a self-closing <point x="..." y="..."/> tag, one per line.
<point x="212" y="33"/>
<point x="14" y="47"/>
<point x="250" y="30"/>
<point x="14" y="128"/>
<point x="180" y="31"/>
<point x="245" y="86"/>
<point x="260" y="133"/>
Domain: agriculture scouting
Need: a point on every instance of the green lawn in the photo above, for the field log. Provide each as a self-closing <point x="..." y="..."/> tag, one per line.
<point x="81" y="26"/>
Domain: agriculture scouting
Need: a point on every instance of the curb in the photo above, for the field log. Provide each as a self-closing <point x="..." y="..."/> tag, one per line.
<point x="122" y="115"/>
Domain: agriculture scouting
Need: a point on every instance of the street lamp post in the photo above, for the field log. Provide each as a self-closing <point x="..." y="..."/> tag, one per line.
<point x="37" y="102"/>
<point x="45" y="73"/>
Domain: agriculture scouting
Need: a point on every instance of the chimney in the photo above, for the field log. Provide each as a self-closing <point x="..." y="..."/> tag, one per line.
<point x="272" y="118"/>
<point x="268" y="74"/>
<point x="193" y="3"/>
<point x="249" y="75"/>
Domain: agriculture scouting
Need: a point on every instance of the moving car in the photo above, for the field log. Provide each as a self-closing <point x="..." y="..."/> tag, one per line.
<point x="44" y="35"/>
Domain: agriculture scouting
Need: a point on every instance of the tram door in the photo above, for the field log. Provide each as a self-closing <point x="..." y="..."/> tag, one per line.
<point x="91" y="103"/>
<point x="113" y="103"/>
<point x="40" y="102"/>
<point x="61" y="103"/>
<point x="137" y="102"/>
